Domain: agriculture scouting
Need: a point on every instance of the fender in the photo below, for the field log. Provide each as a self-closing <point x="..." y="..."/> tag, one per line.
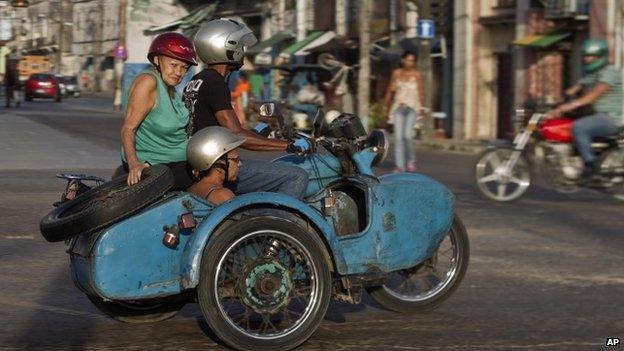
<point x="191" y="259"/>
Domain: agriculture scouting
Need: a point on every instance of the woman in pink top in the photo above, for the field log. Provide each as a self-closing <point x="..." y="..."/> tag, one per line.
<point x="403" y="107"/>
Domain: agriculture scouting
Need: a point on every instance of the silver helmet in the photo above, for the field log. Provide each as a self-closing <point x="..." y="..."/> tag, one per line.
<point x="209" y="144"/>
<point x="223" y="41"/>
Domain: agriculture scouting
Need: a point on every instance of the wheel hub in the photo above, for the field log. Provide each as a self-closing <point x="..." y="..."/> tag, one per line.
<point x="266" y="285"/>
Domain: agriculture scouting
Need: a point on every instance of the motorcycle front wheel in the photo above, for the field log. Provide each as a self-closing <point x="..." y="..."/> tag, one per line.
<point x="495" y="182"/>
<point x="428" y="284"/>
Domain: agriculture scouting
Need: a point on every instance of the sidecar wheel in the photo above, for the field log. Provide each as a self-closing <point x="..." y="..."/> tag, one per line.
<point x="265" y="284"/>
<point x="427" y="285"/>
<point x="105" y="204"/>
<point x="135" y="313"/>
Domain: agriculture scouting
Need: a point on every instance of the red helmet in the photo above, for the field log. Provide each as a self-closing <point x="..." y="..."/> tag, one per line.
<point x="174" y="45"/>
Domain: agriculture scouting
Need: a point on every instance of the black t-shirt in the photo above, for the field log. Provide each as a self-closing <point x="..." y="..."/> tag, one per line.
<point x="206" y="94"/>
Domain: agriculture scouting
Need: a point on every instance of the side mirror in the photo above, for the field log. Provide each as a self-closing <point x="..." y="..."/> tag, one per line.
<point x="268" y="109"/>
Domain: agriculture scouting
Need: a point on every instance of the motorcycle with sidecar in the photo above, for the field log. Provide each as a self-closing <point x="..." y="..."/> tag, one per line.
<point x="264" y="266"/>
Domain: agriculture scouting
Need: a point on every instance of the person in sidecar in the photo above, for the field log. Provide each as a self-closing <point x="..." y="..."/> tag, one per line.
<point x="213" y="156"/>
<point x="154" y="130"/>
<point x="220" y="45"/>
<point x="603" y="90"/>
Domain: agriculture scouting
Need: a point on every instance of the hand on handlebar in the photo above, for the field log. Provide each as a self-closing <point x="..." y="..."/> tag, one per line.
<point x="299" y="146"/>
<point x="262" y="129"/>
<point x="134" y="172"/>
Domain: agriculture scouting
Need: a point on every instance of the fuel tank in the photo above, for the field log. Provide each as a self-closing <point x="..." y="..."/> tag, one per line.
<point x="557" y="130"/>
<point x="322" y="169"/>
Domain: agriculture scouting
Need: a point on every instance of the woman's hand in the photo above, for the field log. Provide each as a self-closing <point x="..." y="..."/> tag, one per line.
<point x="135" y="170"/>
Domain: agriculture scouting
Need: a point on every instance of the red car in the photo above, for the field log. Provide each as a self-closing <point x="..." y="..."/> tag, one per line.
<point x="42" y="85"/>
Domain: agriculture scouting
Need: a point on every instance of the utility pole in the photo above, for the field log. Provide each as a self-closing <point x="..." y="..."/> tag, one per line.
<point x="97" y="52"/>
<point x="120" y="55"/>
<point x="341" y="18"/>
<point x="60" y="36"/>
<point x="393" y="22"/>
<point x="363" y="95"/>
<point x="301" y="19"/>
<point x="424" y="62"/>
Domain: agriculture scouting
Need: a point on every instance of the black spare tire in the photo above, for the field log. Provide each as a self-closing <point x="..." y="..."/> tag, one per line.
<point x="106" y="204"/>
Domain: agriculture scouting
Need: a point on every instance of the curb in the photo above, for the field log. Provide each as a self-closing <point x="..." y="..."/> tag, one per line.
<point x="452" y="145"/>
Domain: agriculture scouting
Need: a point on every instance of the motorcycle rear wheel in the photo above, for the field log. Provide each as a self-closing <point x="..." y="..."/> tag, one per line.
<point x="612" y="163"/>
<point x="423" y="287"/>
<point x="492" y="184"/>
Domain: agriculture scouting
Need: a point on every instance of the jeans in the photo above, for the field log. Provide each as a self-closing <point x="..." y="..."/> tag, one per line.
<point x="404" y="119"/>
<point x="587" y="128"/>
<point x="256" y="175"/>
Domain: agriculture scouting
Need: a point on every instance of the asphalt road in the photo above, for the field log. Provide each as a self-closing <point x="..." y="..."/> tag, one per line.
<point x="546" y="272"/>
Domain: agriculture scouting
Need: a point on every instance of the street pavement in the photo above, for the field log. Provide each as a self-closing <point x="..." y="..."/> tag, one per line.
<point x="546" y="272"/>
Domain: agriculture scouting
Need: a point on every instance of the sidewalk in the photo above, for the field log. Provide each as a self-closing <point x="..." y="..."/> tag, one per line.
<point x="472" y="147"/>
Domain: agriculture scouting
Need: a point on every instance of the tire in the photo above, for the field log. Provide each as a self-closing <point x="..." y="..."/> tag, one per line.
<point x="57" y="98"/>
<point x="411" y="301"/>
<point x="28" y="98"/>
<point x="485" y="174"/>
<point x="135" y="312"/>
<point x="105" y="204"/>
<point x="612" y="164"/>
<point x="260" y="283"/>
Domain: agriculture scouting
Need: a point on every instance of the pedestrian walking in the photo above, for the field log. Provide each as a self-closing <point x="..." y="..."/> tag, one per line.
<point x="240" y="97"/>
<point x="403" y="107"/>
<point x="12" y="88"/>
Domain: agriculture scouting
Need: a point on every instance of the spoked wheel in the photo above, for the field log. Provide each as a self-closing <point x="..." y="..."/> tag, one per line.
<point x="612" y="165"/>
<point x="493" y="179"/>
<point x="265" y="284"/>
<point x="428" y="284"/>
<point x="137" y="312"/>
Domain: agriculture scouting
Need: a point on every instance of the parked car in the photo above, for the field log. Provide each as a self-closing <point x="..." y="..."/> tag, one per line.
<point x="42" y="85"/>
<point x="71" y="86"/>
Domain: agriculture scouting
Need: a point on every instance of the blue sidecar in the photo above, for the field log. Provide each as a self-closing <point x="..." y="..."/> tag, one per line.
<point x="264" y="266"/>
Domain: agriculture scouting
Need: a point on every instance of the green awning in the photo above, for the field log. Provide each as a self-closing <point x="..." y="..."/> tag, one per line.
<point x="190" y="23"/>
<point x="300" y="44"/>
<point x="270" y="42"/>
<point x="542" y="40"/>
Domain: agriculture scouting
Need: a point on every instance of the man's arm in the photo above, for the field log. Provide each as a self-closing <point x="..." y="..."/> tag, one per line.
<point x="586" y="99"/>
<point x="254" y="142"/>
<point x="573" y="90"/>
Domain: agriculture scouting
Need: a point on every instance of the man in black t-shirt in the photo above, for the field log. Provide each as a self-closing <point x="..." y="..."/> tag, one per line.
<point x="220" y="45"/>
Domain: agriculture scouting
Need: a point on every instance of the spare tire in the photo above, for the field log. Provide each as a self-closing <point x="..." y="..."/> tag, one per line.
<point x="106" y="204"/>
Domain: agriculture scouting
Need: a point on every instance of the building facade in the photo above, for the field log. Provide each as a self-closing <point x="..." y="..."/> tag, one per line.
<point x="515" y="53"/>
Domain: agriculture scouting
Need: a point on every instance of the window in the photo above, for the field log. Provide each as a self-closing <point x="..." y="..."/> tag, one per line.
<point x="506" y="3"/>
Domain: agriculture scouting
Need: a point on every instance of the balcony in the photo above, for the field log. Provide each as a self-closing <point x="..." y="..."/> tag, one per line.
<point x="567" y="9"/>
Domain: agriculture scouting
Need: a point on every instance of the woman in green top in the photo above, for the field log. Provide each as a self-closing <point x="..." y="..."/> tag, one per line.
<point x="154" y="130"/>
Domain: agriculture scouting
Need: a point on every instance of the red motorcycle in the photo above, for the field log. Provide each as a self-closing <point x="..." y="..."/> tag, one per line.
<point x="504" y="171"/>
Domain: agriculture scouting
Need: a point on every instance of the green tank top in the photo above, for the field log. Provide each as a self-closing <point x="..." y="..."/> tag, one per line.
<point x="162" y="137"/>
